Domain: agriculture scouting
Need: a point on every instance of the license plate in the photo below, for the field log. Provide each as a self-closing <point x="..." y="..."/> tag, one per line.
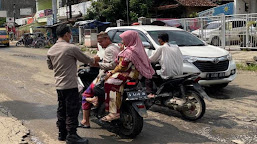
<point x="215" y="75"/>
<point x="136" y="95"/>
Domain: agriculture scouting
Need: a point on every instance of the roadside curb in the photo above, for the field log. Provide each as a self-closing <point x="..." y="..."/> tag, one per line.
<point x="12" y="130"/>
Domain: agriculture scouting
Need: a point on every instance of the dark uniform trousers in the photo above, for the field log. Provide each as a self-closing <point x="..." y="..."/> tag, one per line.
<point x="68" y="110"/>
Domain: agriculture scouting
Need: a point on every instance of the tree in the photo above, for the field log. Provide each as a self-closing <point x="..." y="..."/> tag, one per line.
<point x="193" y="15"/>
<point x="2" y="21"/>
<point x="140" y="8"/>
<point x="112" y="10"/>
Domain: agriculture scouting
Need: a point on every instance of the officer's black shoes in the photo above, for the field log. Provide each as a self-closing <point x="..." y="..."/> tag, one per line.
<point x="75" y="139"/>
<point x="62" y="136"/>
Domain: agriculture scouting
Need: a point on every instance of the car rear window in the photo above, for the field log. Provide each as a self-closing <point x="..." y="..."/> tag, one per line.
<point x="212" y="26"/>
<point x="181" y="38"/>
<point x="116" y="38"/>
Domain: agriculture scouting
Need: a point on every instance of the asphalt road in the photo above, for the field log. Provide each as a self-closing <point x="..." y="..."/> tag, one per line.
<point x="27" y="90"/>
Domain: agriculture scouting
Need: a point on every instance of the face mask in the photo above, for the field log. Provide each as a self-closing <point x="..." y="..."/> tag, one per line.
<point x="71" y="39"/>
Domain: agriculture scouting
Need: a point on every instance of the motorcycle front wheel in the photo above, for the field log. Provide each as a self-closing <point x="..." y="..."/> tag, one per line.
<point x="131" y="122"/>
<point x="194" y="106"/>
<point x="18" y="43"/>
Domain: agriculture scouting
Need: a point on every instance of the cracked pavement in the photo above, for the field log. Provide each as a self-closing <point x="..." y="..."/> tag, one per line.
<point x="27" y="90"/>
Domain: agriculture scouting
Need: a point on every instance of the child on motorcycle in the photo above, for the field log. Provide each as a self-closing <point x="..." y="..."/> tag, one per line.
<point x="88" y="97"/>
<point x="132" y="63"/>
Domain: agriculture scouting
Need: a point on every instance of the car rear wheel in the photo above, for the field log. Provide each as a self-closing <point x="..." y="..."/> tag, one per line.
<point x="216" y="41"/>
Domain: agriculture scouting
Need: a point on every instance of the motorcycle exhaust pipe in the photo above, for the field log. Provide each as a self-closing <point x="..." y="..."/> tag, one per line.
<point x="175" y="103"/>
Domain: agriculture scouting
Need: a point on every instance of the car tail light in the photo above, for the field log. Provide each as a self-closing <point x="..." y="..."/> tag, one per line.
<point x="197" y="79"/>
<point x="140" y="106"/>
<point x="131" y="83"/>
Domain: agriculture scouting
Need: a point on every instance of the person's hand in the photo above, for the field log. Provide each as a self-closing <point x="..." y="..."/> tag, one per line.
<point x="97" y="58"/>
<point x="95" y="64"/>
<point x="121" y="45"/>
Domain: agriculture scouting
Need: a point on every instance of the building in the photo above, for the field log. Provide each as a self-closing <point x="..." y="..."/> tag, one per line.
<point x="62" y="3"/>
<point x="18" y="8"/>
<point x="245" y="6"/>
<point x="182" y="8"/>
<point x="221" y="2"/>
<point x="233" y="7"/>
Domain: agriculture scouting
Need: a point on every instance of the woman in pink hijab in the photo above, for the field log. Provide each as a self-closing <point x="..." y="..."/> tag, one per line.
<point x="133" y="63"/>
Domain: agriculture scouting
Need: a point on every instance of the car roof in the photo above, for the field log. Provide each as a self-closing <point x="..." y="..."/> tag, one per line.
<point x="146" y="27"/>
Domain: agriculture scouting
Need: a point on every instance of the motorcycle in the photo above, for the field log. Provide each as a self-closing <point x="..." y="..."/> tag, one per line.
<point x="133" y="109"/>
<point x="25" y="40"/>
<point x="180" y="93"/>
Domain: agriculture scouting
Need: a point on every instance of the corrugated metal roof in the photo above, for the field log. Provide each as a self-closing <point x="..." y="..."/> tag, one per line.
<point x="196" y="3"/>
<point x="167" y="7"/>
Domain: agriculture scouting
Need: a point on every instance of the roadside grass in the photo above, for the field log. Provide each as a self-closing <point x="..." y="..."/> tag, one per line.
<point x="250" y="67"/>
<point x="92" y="51"/>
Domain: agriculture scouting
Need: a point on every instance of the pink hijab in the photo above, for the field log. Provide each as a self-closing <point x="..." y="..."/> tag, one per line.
<point x="135" y="52"/>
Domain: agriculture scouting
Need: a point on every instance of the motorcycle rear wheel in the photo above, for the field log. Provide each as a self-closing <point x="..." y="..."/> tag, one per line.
<point x="131" y="122"/>
<point x="197" y="111"/>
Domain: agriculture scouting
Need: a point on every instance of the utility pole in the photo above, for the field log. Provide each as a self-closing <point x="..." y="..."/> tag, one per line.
<point x="14" y="13"/>
<point x="69" y="3"/>
<point x="70" y="9"/>
<point x="54" y="8"/>
<point x="13" y="28"/>
<point x="36" y="5"/>
<point x="127" y="3"/>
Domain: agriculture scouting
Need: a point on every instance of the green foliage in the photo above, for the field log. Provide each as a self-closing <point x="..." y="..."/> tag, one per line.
<point x="193" y="15"/>
<point x="112" y="10"/>
<point x="250" y="67"/>
<point x="140" y="8"/>
<point x="44" y="4"/>
<point x="250" y="23"/>
<point x="2" y="21"/>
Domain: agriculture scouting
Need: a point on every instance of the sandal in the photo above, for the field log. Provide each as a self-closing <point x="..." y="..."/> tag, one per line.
<point x="111" y="117"/>
<point x="83" y="126"/>
<point x="93" y="100"/>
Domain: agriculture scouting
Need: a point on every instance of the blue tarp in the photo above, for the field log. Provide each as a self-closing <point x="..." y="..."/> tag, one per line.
<point x="90" y="24"/>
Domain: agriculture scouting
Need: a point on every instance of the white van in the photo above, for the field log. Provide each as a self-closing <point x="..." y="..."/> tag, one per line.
<point x="215" y="64"/>
<point x="212" y="33"/>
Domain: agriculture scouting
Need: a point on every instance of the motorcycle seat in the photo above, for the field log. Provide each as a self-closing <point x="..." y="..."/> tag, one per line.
<point x="180" y="78"/>
<point x="185" y="76"/>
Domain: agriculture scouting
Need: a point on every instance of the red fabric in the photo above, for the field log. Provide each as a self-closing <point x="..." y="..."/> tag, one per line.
<point x="135" y="52"/>
<point x="30" y="20"/>
<point x="88" y="93"/>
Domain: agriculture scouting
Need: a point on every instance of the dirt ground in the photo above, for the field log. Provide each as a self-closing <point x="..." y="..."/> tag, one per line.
<point x="28" y="86"/>
<point x="242" y="56"/>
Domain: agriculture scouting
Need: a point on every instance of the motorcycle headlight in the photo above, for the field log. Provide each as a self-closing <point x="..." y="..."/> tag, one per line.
<point x="229" y="57"/>
<point x="189" y="59"/>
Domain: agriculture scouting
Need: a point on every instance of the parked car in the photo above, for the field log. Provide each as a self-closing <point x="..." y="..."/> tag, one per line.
<point x="4" y="37"/>
<point x="215" y="64"/>
<point x="212" y="33"/>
